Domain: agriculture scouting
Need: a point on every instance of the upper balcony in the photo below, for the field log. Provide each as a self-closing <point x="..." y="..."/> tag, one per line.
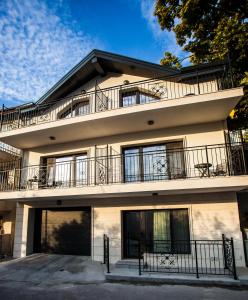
<point x="167" y="102"/>
<point x="9" y="153"/>
<point x="202" y="169"/>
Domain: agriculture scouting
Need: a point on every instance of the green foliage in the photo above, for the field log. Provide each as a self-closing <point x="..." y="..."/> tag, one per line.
<point x="170" y="60"/>
<point x="211" y="30"/>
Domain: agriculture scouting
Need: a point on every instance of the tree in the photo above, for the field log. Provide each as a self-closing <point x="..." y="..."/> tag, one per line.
<point x="211" y="30"/>
<point x="170" y="60"/>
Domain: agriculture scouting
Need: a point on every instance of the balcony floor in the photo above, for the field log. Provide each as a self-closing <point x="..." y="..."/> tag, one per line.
<point x="170" y="187"/>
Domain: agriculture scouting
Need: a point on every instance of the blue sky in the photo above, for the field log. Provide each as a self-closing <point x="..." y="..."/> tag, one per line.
<point x="42" y="40"/>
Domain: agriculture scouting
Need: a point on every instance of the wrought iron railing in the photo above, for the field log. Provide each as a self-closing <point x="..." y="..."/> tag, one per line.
<point x="102" y="99"/>
<point x="193" y="162"/>
<point x="198" y="257"/>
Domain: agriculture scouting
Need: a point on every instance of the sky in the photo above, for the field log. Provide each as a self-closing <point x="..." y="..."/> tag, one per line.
<point x="41" y="40"/>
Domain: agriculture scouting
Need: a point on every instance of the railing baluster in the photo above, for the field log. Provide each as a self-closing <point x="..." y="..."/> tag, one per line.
<point x="196" y="260"/>
<point x="233" y="261"/>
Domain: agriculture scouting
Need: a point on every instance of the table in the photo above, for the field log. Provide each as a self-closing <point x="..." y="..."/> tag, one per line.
<point x="203" y="169"/>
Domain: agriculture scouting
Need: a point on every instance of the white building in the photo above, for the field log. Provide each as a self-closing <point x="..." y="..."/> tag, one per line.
<point x="130" y="149"/>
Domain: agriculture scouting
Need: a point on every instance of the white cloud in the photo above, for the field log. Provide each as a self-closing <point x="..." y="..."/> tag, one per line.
<point x="166" y="39"/>
<point x="37" y="48"/>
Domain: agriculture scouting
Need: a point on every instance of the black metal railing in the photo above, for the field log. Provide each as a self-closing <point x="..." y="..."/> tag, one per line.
<point x="106" y="259"/>
<point x="245" y="242"/>
<point x="182" y="163"/>
<point x="197" y="257"/>
<point x="103" y="99"/>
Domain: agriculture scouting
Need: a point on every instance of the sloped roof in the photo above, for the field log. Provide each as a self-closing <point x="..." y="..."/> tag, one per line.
<point x="101" y="62"/>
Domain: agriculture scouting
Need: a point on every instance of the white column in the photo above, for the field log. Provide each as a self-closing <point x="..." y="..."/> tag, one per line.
<point x="21" y="228"/>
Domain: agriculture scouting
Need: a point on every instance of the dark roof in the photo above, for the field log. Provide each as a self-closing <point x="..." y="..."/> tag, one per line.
<point x="101" y="62"/>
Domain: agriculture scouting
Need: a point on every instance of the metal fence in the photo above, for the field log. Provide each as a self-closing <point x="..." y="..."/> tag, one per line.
<point x="197" y="257"/>
<point x="102" y="99"/>
<point x="193" y="162"/>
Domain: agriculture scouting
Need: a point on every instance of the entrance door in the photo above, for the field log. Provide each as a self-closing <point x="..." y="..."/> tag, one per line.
<point x="63" y="231"/>
<point x="160" y="231"/>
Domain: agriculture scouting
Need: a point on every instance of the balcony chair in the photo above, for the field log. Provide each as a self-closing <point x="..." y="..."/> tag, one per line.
<point x="220" y="169"/>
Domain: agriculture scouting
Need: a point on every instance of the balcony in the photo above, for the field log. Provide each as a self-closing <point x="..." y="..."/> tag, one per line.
<point x="8" y="153"/>
<point x="114" y="110"/>
<point x="204" y="168"/>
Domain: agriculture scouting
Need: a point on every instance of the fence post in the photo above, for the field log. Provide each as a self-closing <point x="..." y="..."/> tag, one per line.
<point x="2" y="112"/>
<point x="196" y="261"/>
<point x="95" y="165"/>
<point x="108" y="270"/>
<point x="243" y="153"/>
<point x="104" y="249"/>
<point x="207" y="161"/>
<point x="224" y="250"/>
<point x="234" y="262"/>
<point x="19" y="118"/>
<point x="198" y="85"/>
<point x="139" y="250"/>
<point x="95" y="97"/>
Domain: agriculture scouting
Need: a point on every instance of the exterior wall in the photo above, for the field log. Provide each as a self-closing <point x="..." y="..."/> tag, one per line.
<point x="7" y="211"/>
<point x="210" y="216"/>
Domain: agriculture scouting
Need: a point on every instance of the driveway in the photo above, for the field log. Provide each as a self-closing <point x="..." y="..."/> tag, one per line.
<point x="51" y="269"/>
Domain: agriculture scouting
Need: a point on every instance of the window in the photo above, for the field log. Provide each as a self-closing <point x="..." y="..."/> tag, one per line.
<point x="154" y="162"/>
<point x="66" y="170"/>
<point x="159" y="231"/>
<point x="78" y="109"/>
<point x="134" y="96"/>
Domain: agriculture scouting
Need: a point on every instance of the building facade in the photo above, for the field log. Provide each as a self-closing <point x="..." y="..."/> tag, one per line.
<point x="130" y="149"/>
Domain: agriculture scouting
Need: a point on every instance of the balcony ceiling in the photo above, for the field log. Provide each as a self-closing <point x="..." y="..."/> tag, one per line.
<point x="171" y="113"/>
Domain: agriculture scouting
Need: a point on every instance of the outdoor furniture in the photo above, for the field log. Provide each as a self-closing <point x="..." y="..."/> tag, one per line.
<point x="221" y="169"/>
<point x="203" y="169"/>
<point x="31" y="182"/>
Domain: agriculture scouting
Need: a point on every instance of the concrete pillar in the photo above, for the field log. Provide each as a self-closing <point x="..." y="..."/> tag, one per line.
<point x="21" y="228"/>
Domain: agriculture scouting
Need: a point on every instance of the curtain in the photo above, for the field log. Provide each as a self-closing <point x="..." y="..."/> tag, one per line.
<point x="180" y="231"/>
<point x="81" y="170"/>
<point x="155" y="163"/>
<point x="175" y="157"/>
<point x="132" y="165"/>
<point x="161" y="231"/>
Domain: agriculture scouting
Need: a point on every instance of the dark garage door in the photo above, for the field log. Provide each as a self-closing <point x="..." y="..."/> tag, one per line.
<point x="63" y="231"/>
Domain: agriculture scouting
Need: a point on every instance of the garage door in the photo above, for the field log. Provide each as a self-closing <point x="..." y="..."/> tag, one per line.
<point x="63" y="231"/>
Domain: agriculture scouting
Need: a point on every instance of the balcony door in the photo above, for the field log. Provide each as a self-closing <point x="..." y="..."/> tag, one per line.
<point x="154" y="162"/>
<point x="66" y="171"/>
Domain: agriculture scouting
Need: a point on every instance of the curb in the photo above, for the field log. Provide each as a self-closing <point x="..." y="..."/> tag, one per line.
<point x="176" y="280"/>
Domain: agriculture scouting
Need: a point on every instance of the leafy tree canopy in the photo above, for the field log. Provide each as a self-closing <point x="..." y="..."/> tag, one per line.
<point x="210" y="30"/>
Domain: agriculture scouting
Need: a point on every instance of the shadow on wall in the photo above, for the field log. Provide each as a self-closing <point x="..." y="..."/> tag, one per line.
<point x="103" y="227"/>
<point x="213" y="226"/>
<point x="73" y="237"/>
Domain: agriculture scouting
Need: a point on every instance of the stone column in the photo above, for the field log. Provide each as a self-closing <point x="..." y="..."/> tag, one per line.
<point x="21" y="228"/>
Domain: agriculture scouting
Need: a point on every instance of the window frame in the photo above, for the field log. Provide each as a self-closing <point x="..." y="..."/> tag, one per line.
<point x="71" y="183"/>
<point x="172" y="240"/>
<point x="137" y="91"/>
<point x="141" y="159"/>
<point x="74" y="106"/>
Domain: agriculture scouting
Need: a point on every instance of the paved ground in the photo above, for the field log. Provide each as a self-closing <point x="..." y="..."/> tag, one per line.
<point x="55" y="277"/>
<point x="106" y="291"/>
